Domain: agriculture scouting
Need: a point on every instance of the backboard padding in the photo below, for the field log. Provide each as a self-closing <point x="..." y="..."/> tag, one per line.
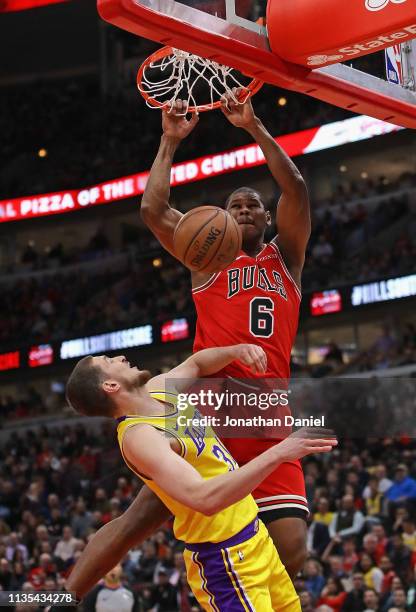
<point x="185" y="27"/>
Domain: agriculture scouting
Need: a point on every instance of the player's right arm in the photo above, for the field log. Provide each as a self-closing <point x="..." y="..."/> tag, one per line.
<point x="155" y="209"/>
<point x="152" y="454"/>
<point x="105" y="549"/>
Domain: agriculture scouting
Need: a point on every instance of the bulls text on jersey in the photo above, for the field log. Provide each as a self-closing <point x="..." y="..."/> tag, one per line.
<point x="247" y="277"/>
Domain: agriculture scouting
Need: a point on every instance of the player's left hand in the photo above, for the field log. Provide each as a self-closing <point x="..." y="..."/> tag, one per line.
<point x="240" y="115"/>
<point x="253" y="356"/>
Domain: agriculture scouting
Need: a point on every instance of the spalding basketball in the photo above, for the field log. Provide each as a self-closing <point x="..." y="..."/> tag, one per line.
<point x="207" y="239"/>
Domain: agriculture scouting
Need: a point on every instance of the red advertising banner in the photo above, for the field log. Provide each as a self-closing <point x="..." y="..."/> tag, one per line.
<point x="325" y="302"/>
<point x="298" y="143"/>
<point x="21" y="5"/>
<point x="10" y="361"/>
<point x="40" y="355"/>
<point x="177" y="329"/>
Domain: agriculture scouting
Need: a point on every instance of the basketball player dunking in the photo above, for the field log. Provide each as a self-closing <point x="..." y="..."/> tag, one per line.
<point x="256" y="300"/>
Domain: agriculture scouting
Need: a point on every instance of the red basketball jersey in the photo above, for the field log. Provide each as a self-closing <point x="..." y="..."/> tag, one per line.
<point x="254" y="301"/>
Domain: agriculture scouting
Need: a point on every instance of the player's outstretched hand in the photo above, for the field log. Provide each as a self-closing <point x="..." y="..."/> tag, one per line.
<point x="253" y="356"/>
<point x="240" y="115"/>
<point x="174" y="122"/>
<point x="306" y="441"/>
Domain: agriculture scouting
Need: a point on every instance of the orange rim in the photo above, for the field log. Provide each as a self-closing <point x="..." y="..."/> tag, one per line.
<point x="252" y="88"/>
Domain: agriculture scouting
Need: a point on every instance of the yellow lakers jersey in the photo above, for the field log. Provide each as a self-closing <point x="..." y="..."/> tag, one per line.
<point x="204" y="451"/>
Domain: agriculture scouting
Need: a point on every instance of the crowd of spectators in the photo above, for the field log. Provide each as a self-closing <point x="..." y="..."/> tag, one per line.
<point x="99" y="138"/>
<point x="391" y="348"/>
<point x="363" y="546"/>
<point x="64" y="305"/>
<point x="58" y="486"/>
<point x="126" y="288"/>
<point x="342" y="246"/>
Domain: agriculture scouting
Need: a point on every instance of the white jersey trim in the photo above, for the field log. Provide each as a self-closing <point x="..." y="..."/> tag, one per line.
<point x="276" y="497"/>
<point x="286" y="271"/>
<point x="279" y="506"/>
<point x="207" y="283"/>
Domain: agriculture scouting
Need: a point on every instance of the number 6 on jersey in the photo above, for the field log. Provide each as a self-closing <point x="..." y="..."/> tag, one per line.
<point x="262" y="317"/>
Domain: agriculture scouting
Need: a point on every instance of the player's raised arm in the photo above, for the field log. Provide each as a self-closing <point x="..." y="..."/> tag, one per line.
<point x="293" y="212"/>
<point x="155" y="209"/>
<point x="212" y="360"/>
<point x="153" y="456"/>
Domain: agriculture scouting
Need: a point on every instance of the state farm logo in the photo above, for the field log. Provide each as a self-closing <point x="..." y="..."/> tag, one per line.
<point x="378" y="5"/>
<point x="318" y="60"/>
<point x="370" y="46"/>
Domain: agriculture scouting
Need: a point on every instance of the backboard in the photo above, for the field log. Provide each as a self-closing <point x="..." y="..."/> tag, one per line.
<point x="231" y="32"/>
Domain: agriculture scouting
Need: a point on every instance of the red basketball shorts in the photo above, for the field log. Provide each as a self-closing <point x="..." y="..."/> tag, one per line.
<point x="282" y="493"/>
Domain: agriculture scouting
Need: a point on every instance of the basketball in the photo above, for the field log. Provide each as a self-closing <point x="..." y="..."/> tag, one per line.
<point x="207" y="239"/>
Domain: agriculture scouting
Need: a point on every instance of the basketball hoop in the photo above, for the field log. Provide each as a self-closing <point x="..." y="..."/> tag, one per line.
<point x="171" y="74"/>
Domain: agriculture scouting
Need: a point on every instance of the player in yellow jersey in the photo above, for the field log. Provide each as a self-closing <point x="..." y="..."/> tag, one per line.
<point x="232" y="564"/>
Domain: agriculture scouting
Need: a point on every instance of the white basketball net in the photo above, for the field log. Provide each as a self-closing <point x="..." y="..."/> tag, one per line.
<point x="185" y="71"/>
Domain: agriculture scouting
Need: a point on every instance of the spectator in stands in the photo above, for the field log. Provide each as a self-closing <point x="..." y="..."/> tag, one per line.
<point x="384" y="483"/>
<point x="400" y="514"/>
<point x="323" y="514"/>
<point x="65" y="548"/>
<point x="314" y="580"/>
<point x="386" y="600"/>
<point x="333" y="594"/>
<point x="56" y="523"/>
<point x="6" y="576"/>
<point x="165" y="595"/>
<point x="38" y="574"/>
<point x="373" y="500"/>
<point x="403" y="487"/>
<point x="370" y="545"/>
<point x="386" y="567"/>
<point x="306" y="601"/>
<point x="373" y="576"/>
<point x="82" y="520"/>
<point x="19" y="575"/>
<point x="111" y="595"/>
<point x="409" y="534"/>
<point x="102" y="503"/>
<point x="371" y="600"/>
<point x="177" y="569"/>
<point x="399" y="600"/>
<point x="384" y="348"/>
<point x="400" y="556"/>
<point x="14" y="545"/>
<point x="349" y="555"/>
<point x="354" y="601"/>
<point x="147" y="563"/>
<point x="347" y="521"/>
